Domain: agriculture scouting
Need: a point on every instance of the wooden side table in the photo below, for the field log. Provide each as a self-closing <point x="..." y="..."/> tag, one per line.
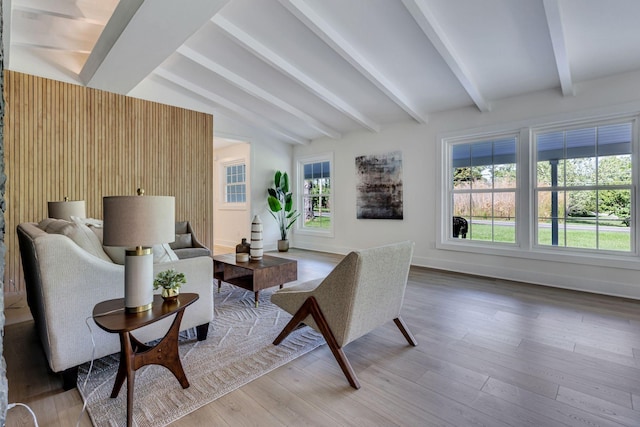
<point x="133" y="353"/>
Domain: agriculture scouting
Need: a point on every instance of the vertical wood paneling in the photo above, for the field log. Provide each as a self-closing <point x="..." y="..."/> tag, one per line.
<point x="68" y="140"/>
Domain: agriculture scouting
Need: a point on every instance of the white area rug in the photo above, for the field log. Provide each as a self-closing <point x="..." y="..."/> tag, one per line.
<point x="237" y="350"/>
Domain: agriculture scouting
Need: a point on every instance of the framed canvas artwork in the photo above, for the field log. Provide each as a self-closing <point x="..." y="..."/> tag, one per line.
<point x="379" y="186"/>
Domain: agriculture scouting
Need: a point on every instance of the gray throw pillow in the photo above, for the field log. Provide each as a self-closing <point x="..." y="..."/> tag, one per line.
<point x="182" y="241"/>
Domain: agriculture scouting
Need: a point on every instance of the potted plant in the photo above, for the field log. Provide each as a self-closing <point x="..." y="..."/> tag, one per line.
<point x="170" y="282"/>
<point x="281" y="207"/>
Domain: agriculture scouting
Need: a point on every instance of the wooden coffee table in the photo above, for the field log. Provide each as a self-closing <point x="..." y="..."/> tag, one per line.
<point x="254" y="275"/>
<point x="133" y="353"/>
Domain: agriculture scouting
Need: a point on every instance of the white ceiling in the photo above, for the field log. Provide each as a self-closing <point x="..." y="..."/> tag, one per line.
<point x="303" y="69"/>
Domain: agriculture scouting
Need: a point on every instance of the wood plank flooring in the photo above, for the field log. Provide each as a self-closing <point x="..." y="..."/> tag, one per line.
<point x="490" y="353"/>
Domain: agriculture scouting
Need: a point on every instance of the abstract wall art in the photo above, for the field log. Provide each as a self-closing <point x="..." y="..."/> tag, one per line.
<point x="379" y="186"/>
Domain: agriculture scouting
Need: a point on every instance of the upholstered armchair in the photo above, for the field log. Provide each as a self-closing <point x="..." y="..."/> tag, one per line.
<point x="364" y="291"/>
<point x="187" y="244"/>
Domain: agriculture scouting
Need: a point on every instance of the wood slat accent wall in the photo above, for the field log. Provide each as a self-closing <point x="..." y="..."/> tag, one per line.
<point x="68" y="140"/>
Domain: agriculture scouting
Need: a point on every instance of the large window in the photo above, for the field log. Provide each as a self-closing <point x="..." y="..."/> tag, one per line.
<point x="483" y="188"/>
<point x="235" y="188"/>
<point x="584" y="187"/>
<point x="314" y="183"/>
<point x="558" y="189"/>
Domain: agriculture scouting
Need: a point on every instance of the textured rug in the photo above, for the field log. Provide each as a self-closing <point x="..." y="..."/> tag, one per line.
<point x="238" y="350"/>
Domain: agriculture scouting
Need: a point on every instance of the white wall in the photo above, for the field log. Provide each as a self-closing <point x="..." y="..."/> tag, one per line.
<point x="230" y="225"/>
<point x="267" y="157"/>
<point x="419" y="146"/>
<point x="264" y="156"/>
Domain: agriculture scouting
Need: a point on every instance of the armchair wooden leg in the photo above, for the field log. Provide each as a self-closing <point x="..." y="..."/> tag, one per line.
<point x="297" y="318"/>
<point x="311" y="307"/>
<point x="405" y="331"/>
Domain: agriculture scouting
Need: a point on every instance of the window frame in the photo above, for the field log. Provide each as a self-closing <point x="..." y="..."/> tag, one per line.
<point x="493" y="137"/>
<point x="300" y="162"/>
<point x="526" y="209"/>
<point x="535" y="189"/>
<point x="224" y="184"/>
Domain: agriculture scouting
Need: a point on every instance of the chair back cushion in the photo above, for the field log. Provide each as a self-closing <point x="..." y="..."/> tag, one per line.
<point x="365" y="290"/>
<point x="181" y="227"/>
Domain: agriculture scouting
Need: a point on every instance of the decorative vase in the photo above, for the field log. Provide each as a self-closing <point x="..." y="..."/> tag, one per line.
<point x="283" y="245"/>
<point x="242" y="251"/>
<point x="256" y="239"/>
<point x="170" y="294"/>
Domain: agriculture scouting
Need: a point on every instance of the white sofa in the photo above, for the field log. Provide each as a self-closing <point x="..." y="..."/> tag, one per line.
<point x="67" y="273"/>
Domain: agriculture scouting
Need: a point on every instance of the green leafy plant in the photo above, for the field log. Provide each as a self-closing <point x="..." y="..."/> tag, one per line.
<point x="280" y="201"/>
<point x="169" y="279"/>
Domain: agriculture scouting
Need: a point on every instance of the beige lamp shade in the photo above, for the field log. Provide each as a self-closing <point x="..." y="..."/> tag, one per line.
<point x="138" y="220"/>
<point x="66" y="209"/>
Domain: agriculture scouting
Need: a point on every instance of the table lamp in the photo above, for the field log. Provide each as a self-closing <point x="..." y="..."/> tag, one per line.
<point x="66" y="209"/>
<point x="138" y="222"/>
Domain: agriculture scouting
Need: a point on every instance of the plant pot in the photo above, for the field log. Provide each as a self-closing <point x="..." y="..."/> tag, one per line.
<point x="283" y="245"/>
<point x="170" y="294"/>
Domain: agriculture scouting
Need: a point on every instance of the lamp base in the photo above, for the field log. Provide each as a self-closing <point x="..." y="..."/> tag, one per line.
<point x="138" y="280"/>
<point x="138" y="309"/>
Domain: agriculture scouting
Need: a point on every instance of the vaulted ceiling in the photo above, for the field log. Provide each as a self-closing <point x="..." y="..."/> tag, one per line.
<point x="303" y="69"/>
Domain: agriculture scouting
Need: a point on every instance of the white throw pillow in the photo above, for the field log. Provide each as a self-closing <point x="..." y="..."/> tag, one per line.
<point x="116" y="253"/>
<point x="76" y="231"/>
<point x="87" y="239"/>
<point x="161" y="253"/>
<point x="55" y="226"/>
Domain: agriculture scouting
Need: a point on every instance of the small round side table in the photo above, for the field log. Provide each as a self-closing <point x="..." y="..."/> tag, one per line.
<point x="133" y="353"/>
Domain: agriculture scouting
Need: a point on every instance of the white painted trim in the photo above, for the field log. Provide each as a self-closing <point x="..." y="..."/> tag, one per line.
<point x="576" y="283"/>
<point x="525" y="240"/>
<point x="299" y="177"/>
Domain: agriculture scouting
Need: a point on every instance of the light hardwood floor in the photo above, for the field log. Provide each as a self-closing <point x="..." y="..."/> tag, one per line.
<point x="490" y="353"/>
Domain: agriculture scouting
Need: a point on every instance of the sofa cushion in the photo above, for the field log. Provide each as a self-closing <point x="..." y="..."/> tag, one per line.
<point x="192" y="252"/>
<point x="116" y="253"/>
<point x="87" y="239"/>
<point x="161" y="253"/>
<point x="77" y="231"/>
<point x="182" y="241"/>
<point x="98" y="231"/>
<point x="55" y="226"/>
<point x="95" y="225"/>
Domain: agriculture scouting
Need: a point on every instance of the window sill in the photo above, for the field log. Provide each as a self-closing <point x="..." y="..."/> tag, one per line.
<point x="314" y="232"/>
<point x="233" y="207"/>
<point x="626" y="261"/>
